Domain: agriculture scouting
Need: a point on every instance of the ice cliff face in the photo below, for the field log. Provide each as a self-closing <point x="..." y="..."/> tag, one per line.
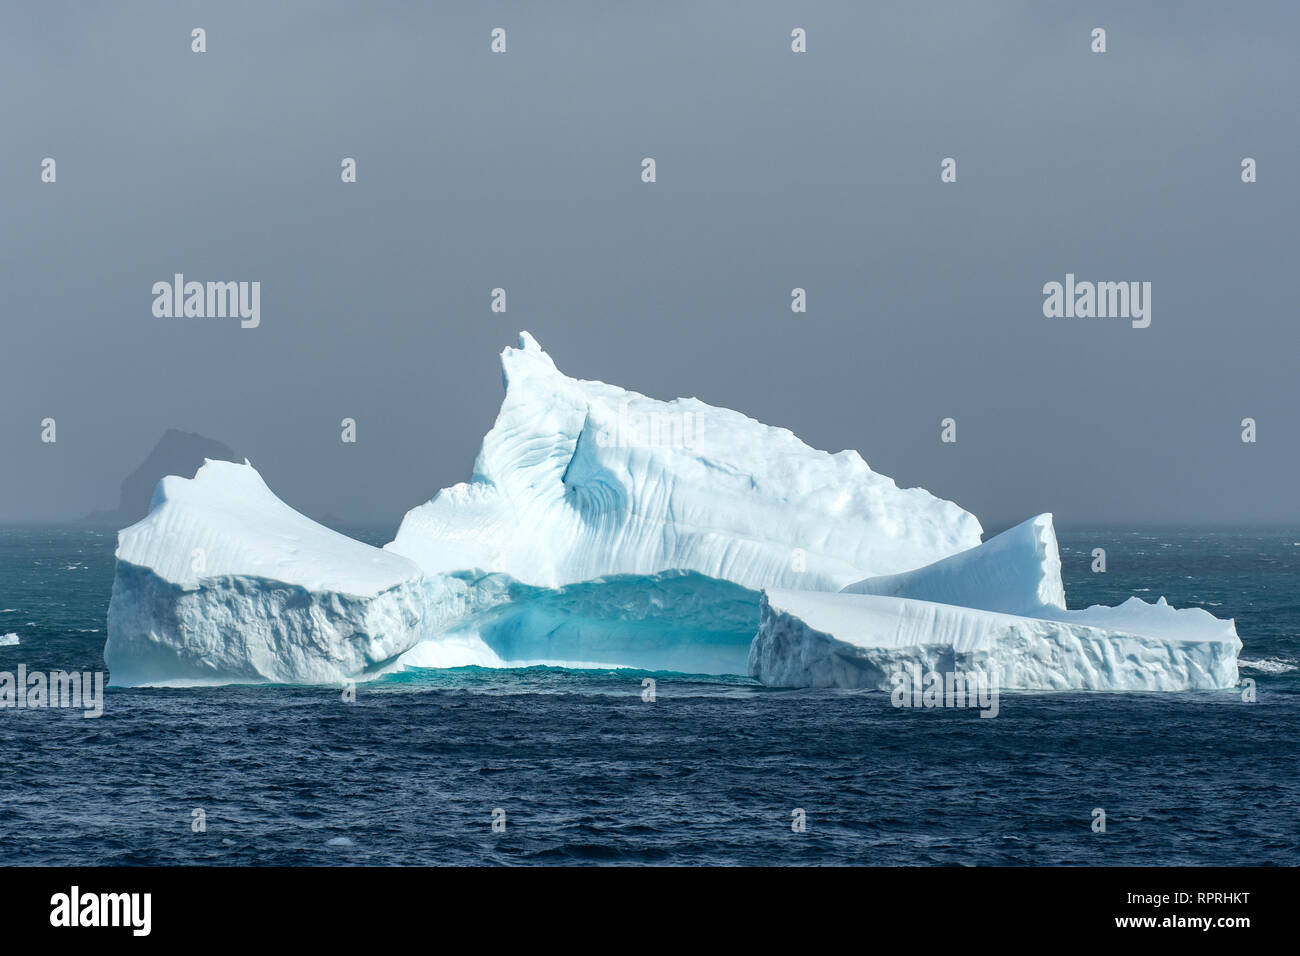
<point x="578" y="480"/>
<point x="997" y="610"/>
<point x="222" y="582"/>
<point x="807" y="639"/>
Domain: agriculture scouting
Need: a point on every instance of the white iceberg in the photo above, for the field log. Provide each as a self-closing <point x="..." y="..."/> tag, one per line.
<point x="601" y="528"/>
<point x="997" y="610"/>
<point x="9" y="640"/>
<point x="578" y="480"/>
<point x="222" y="582"/>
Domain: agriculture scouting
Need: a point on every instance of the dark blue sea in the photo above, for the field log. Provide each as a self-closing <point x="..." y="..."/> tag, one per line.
<point x="711" y="772"/>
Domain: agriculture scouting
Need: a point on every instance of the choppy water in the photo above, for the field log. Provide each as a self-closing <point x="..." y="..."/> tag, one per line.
<point x="710" y="772"/>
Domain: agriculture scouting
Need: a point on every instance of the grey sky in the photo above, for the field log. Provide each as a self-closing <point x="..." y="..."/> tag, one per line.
<point x="775" y="170"/>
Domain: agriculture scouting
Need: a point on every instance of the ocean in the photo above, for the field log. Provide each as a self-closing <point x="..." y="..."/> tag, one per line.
<point x="574" y="766"/>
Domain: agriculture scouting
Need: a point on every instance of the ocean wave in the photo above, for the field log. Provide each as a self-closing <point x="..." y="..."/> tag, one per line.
<point x="1269" y="665"/>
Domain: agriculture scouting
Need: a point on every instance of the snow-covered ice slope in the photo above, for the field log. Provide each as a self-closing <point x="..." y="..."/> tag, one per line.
<point x="579" y="480"/>
<point x="808" y="639"/>
<point x="222" y="582"/>
<point x="997" y="609"/>
<point x="1017" y="572"/>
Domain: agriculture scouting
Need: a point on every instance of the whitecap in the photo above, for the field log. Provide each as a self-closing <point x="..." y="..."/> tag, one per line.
<point x="1270" y="665"/>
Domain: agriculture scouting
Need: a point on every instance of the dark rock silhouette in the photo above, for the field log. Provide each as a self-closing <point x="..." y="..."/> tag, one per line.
<point x="177" y="453"/>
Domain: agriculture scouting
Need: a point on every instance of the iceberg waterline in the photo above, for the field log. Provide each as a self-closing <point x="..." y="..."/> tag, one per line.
<point x="597" y="531"/>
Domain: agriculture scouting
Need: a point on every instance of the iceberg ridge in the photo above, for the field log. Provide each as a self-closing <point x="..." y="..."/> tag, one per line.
<point x="608" y="481"/>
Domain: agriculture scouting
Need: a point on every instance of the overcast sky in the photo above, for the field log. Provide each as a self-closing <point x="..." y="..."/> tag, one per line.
<point x="775" y="170"/>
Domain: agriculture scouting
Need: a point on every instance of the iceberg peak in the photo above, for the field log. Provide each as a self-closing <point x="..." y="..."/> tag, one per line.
<point x="226" y="521"/>
<point x="1015" y="572"/>
<point x="580" y="479"/>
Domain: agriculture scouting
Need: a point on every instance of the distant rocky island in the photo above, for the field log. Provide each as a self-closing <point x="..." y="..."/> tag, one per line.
<point x="177" y="453"/>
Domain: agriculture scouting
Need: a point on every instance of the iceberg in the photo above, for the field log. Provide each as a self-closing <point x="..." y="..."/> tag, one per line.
<point x="601" y="528"/>
<point x="224" y="583"/>
<point x="578" y="480"/>
<point x="997" y="610"/>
